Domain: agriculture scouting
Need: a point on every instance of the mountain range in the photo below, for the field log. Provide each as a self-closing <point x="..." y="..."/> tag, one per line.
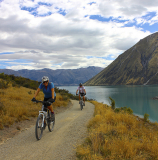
<point x="136" y="66"/>
<point x="58" y="77"/>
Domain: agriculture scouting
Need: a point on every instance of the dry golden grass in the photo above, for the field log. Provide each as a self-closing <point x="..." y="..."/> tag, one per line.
<point x="118" y="136"/>
<point x="16" y="105"/>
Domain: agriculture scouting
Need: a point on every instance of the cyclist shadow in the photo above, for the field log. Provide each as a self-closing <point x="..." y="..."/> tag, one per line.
<point x="31" y="137"/>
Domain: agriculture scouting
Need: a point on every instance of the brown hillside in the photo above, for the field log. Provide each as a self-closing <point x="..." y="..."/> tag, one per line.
<point x="136" y="66"/>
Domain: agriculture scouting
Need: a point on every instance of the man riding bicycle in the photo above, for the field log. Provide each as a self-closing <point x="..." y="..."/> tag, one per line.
<point x="82" y="92"/>
<point x="49" y="93"/>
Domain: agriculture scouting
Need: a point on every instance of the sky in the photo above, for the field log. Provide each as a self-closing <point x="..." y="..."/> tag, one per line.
<point x="71" y="34"/>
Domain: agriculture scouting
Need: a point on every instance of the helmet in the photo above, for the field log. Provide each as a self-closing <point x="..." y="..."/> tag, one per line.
<point x="45" y="78"/>
<point x="80" y="84"/>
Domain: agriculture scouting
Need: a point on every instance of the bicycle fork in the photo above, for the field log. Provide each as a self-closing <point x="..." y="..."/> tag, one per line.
<point x="43" y="113"/>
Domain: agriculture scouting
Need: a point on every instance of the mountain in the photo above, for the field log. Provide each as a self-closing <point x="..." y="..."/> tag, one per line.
<point x="59" y="76"/>
<point x="136" y="66"/>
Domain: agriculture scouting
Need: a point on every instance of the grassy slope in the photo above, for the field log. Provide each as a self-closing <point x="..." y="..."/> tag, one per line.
<point x="16" y="104"/>
<point x="118" y="136"/>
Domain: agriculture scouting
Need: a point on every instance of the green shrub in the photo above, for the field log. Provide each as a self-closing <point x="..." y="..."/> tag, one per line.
<point x="19" y="81"/>
<point x="3" y="109"/>
<point x="146" y="117"/>
<point x="65" y="98"/>
<point x="29" y="92"/>
<point x="125" y="109"/>
<point x="1" y="125"/>
<point x="1" y="106"/>
<point x="112" y="103"/>
<point x="2" y="92"/>
<point x="4" y="85"/>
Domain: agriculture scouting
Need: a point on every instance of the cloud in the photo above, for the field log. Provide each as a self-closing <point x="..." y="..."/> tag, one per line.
<point x="42" y="10"/>
<point x="60" y="34"/>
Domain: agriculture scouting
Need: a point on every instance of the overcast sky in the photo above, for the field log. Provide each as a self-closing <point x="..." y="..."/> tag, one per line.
<point x="70" y="34"/>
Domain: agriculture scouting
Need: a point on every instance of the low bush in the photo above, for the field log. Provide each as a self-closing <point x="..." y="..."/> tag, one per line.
<point x="118" y="136"/>
<point x="112" y="103"/>
<point x="2" y="108"/>
<point x="124" y="109"/>
<point x="18" y="81"/>
<point x="3" y="84"/>
<point x="146" y="117"/>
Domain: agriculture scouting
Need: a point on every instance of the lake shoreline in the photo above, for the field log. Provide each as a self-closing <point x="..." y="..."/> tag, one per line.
<point x="138" y="97"/>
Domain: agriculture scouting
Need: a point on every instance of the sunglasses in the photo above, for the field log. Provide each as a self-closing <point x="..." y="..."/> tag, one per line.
<point x="45" y="82"/>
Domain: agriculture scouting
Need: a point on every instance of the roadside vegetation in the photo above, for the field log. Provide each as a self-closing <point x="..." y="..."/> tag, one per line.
<point x="15" y="99"/>
<point x="113" y="133"/>
<point x="119" y="135"/>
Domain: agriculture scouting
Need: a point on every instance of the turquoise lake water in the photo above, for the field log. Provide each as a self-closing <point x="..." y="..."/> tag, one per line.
<point x="138" y="98"/>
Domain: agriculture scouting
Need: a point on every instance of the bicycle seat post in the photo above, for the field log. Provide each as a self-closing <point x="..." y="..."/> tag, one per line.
<point x="43" y="107"/>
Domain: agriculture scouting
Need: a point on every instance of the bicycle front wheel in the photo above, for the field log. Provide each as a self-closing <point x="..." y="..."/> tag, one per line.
<point x="81" y="105"/>
<point x="38" y="127"/>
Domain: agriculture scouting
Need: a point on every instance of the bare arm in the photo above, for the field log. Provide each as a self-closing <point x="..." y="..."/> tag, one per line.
<point x="84" y="91"/>
<point x="76" y="91"/>
<point x="36" y="93"/>
<point x="52" y="92"/>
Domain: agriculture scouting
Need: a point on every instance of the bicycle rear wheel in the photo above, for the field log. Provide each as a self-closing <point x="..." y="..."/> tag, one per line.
<point x="51" y="124"/>
<point x="38" y="127"/>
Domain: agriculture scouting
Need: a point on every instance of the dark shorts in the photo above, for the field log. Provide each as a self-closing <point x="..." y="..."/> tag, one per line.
<point x="46" y="99"/>
<point x="82" y="94"/>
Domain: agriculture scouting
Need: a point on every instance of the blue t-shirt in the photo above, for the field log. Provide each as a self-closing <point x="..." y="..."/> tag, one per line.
<point x="47" y="92"/>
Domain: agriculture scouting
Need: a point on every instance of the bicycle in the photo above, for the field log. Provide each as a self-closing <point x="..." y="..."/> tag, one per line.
<point x="44" y="119"/>
<point x="81" y="100"/>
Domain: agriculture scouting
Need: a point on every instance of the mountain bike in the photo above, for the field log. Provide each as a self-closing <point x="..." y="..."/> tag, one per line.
<point x="81" y="100"/>
<point x="44" y="119"/>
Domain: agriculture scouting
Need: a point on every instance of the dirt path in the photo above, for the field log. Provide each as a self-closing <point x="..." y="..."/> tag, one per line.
<point x="70" y="130"/>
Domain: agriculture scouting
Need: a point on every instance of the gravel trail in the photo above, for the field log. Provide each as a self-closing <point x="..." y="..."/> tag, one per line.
<point x="69" y="131"/>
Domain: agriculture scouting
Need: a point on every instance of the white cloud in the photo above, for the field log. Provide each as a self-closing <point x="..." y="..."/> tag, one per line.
<point x="43" y="10"/>
<point x="27" y="3"/>
<point x="58" y="41"/>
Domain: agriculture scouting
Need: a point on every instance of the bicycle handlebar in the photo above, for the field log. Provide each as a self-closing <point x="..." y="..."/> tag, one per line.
<point x="43" y="102"/>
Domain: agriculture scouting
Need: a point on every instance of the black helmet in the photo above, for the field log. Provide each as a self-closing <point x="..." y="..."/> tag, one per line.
<point x="44" y="79"/>
<point x="80" y="84"/>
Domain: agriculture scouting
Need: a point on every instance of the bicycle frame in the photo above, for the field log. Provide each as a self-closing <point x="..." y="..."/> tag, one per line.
<point x="81" y="101"/>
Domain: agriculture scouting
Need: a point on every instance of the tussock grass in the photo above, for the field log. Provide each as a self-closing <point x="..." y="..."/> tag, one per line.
<point x="118" y="136"/>
<point x="16" y="105"/>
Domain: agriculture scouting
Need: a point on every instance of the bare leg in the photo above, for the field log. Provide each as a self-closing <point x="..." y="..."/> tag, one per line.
<point x="50" y="108"/>
<point x="84" y="99"/>
<point x="52" y="113"/>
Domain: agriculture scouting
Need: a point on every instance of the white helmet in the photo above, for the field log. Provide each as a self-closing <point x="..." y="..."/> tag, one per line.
<point x="45" y="78"/>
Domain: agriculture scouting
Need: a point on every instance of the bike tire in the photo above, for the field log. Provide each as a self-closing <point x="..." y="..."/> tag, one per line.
<point x="51" y="125"/>
<point x="81" y="106"/>
<point x="39" y="128"/>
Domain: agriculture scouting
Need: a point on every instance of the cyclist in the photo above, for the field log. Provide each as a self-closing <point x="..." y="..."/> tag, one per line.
<point x="49" y="93"/>
<point x="82" y="91"/>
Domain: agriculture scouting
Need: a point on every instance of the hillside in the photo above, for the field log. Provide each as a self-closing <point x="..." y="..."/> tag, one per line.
<point x="136" y="66"/>
<point x="59" y="76"/>
<point x="15" y="99"/>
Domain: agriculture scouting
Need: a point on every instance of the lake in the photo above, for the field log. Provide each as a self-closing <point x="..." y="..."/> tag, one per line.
<point x="138" y="98"/>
